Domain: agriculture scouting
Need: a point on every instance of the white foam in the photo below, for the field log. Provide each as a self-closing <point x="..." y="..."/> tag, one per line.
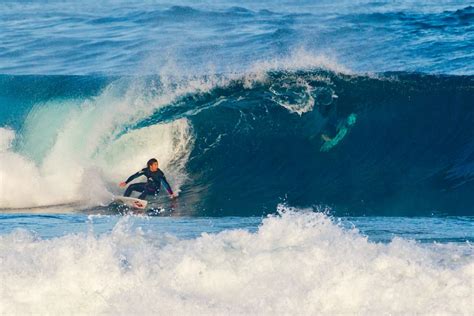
<point x="294" y="264"/>
<point x="6" y="139"/>
<point x="67" y="159"/>
<point x="305" y="101"/>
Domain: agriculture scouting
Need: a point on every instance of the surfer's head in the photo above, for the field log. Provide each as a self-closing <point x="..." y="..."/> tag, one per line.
<point x="152" y="164"/>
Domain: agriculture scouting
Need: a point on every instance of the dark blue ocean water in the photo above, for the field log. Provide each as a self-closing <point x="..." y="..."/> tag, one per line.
<point x="323" y="153"/>
<point x="137" y="37"/>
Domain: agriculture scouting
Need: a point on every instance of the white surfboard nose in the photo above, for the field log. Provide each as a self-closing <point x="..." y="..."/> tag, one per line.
<point x="131" y="202"/>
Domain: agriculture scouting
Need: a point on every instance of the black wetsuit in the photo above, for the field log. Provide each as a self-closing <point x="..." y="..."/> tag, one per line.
<point x="151" y="187"/>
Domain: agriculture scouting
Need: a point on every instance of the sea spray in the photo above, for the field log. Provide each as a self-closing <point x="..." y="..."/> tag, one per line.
<point x="298" y="262"/>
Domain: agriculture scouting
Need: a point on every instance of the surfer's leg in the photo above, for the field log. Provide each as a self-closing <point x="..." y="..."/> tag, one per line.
<point x="143" y="195"/>
<point x="139" y="187"/>
<point x="148" y="191"/>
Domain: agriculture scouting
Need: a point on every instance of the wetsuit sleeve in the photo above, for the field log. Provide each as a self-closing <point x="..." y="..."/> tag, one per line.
<point x="167" y="185"/>
<point x="134" y="176"/>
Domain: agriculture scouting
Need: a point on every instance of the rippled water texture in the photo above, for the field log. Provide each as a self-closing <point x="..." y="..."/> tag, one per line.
<point x="125" y="37"/>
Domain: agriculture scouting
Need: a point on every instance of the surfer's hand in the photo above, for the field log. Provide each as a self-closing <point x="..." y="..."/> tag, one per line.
<point x="122" y="184"/>
<point x="173" y="196"/>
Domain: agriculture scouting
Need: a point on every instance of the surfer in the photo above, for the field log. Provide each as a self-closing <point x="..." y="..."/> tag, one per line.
<point x="341" y="131"/>
<point x="154" y="179"/>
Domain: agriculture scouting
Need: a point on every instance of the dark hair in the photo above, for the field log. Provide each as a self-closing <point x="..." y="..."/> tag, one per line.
<point x="151" y="161"/>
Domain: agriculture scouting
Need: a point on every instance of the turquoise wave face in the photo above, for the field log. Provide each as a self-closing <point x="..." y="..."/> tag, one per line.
<point x="394" y="144"/>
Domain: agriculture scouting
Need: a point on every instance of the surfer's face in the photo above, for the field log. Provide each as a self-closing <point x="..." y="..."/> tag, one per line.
<point x="154" y="167"/>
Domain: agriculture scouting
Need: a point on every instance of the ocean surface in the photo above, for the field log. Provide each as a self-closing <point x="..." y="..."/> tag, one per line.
<point x="322" y="151"/>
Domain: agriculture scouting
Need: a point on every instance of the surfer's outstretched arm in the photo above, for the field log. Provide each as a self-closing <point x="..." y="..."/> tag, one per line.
<point x="131" y="178"/>
<point x="134" y="176"/>
<point x="167" y="186"/>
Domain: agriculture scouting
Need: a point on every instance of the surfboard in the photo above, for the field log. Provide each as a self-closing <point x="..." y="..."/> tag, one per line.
<point x="131" y="202"/>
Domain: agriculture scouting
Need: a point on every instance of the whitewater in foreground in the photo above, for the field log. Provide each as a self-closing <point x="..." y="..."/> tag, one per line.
<point x="293" y="263"/>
